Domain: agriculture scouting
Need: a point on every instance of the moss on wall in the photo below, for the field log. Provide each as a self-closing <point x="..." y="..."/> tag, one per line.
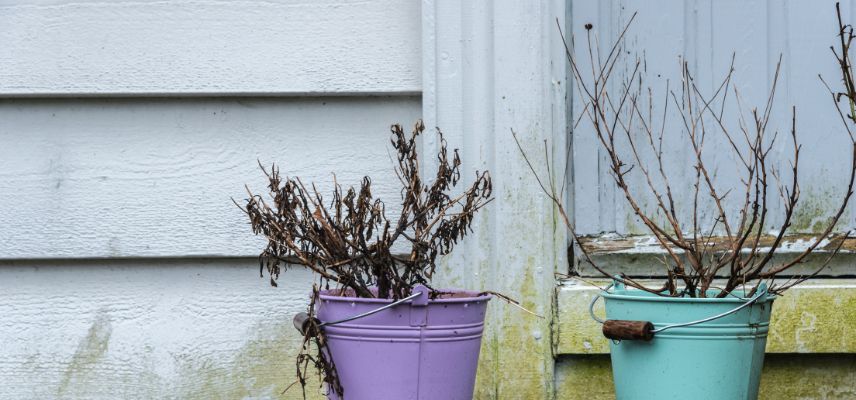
<point x="516" y="350"/>
<point x="785" y="376"/>
<point x="262" y="369"/>
<point x="90" y="351"/>
<point x="814" y="321"/>
<point x="812" y="213"/>
<point x="819" y="317"/>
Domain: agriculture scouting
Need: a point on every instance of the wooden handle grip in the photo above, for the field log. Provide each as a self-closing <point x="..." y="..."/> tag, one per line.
<point x="628" y="330"/>
<point x="302" y="322"/>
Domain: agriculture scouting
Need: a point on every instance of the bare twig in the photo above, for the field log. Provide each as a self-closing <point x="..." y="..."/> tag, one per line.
<point x="616" y="114"/>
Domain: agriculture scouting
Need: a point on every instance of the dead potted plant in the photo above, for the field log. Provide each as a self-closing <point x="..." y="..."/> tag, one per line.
<point x="375" y="327"/>
<point x="701" y="334"/>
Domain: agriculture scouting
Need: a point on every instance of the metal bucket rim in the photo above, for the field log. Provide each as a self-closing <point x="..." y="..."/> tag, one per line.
<point x="637" y="295"/>
<point x="473" y="297"/>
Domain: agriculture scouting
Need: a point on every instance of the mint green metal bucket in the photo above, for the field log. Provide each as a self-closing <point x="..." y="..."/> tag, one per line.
<point x="720" y="359"/>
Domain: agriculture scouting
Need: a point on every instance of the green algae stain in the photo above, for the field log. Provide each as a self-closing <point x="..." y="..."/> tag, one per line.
<point x="584" y="377"/>
<point x="785" y="376"/>
<point x="516" y="355"/>
<point x="578" y="332"/>
<point x="486" y="376"/>
<point x="814" y="321"/>
<point x="805" y="320"/>
<point x="82" y="368"/>
<point x="815" y="376"/>
<point x="262" y="369"/>
<point x="814" y="211"/>
<point x="524" y="365"/>
<point x="812" y="215"/>
<point x="516" y="360"/>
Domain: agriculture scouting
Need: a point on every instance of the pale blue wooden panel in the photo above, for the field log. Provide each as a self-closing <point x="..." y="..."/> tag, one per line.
<point x="705" y="35"/>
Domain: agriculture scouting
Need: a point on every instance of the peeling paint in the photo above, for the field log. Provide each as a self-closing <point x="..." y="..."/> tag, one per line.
<point x="613" y="244"/>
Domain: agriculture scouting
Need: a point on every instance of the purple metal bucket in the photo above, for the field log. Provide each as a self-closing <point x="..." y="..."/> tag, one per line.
<point x="421" y="350"/>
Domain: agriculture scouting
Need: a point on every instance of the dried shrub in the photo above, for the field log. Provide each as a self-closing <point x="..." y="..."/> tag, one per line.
<point x="349" y="241"/>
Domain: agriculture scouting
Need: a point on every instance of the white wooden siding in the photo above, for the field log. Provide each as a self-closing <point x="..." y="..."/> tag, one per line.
<point x="125" y="129"/>
<point x="189" y="329"/>
<point x="209" y="47"/>
<point x="141" y="180"/>
<point x="154" y="177"/>
<point x="705" y="34"/>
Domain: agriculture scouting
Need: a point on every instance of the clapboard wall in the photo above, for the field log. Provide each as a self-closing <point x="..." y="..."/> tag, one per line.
<point x="126" y="128"/>
<point x="145" y="48"/>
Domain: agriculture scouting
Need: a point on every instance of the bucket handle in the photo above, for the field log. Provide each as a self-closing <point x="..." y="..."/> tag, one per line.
<point x="644" y="330"/>
<point x="301" y="320"/>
